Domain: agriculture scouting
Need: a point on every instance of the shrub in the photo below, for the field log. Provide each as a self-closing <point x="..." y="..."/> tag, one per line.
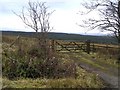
<point x="34" y="61"/>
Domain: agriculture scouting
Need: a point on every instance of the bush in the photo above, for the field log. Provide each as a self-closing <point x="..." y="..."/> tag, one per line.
<point x="35" y="61"/>
<point x="67" y="69"/>
<point x="34" y="67"/>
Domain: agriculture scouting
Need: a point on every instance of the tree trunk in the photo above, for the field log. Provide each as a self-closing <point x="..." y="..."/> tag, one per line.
<point x="118" y="47"/>
<point x="88" y="46"/>
<point x="119" y="33"/>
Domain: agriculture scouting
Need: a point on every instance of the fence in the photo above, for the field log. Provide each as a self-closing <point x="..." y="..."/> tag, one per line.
<point x="86" y="46"/>
<point x="72" y="46"/>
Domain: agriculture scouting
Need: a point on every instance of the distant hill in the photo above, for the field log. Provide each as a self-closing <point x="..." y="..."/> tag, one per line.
<point x="66" y="36"/>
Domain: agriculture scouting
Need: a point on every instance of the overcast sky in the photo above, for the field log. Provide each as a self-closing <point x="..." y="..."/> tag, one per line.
<point x="64" y="18"/>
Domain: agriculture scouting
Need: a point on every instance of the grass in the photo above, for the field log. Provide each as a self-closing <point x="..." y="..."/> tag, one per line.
<point x="104" y="59"/>
<point x="95" y="60"/>
<point x="83" y="80"/>
<point x="83" y="57"/>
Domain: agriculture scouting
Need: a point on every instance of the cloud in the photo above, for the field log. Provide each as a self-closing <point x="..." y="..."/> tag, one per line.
<point x="61" y="7"/>
<point x="12" y="22"/>
<point x="64" y="21"/>
<point x="64" y="18"/>
<point x="6" y="7"/>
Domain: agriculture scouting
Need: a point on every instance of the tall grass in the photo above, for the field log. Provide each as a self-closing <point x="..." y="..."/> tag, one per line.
<point x="25" y="66"/>
<point x="83" y="80"/>
<point x="30" y="59"/>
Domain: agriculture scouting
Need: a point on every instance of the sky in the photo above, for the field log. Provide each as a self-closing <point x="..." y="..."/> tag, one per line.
<point x="64" y="19"/>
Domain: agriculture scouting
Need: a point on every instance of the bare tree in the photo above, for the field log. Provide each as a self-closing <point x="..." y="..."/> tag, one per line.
<point x="118" y="21"/>
<point x="36" y="16"/>
<point x="119" y="29"/>
<point x="109" y="11"/>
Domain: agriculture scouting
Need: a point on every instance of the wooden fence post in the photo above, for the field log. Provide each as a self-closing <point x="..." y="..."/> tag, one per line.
<point x="88" y="46"/>
<point x="93" y="48"/>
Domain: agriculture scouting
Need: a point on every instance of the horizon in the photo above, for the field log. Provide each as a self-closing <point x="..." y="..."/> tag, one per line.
<point x="56" y="32"/>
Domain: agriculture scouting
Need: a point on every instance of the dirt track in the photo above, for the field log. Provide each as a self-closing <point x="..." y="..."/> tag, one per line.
<point x="112" y="81"/>
<point x="110" y="77"/>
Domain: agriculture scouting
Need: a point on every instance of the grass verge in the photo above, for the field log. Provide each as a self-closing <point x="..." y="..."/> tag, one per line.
<point x="83" y="80"/>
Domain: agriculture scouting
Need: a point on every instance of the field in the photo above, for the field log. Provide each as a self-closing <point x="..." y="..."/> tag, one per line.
<point x="98" y="69"/>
